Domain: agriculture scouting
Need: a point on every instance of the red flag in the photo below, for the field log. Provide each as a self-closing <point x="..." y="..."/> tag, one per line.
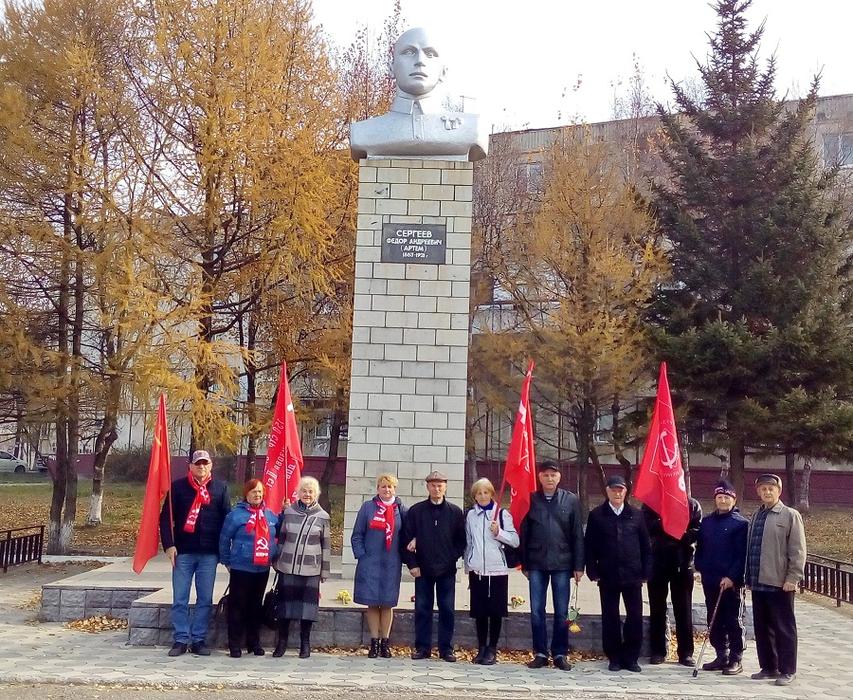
<point x="660" y="481"/>
<point x="520" y="468"/>
<point x="159" y="482"/>
<point x="283" y="468"/>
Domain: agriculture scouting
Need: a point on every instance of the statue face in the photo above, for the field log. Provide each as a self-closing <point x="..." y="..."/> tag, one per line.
<point x="417" y="65"/>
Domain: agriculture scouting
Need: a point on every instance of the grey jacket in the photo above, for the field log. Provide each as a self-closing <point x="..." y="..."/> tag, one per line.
<point x="783" y="547"/>
<point x="304" y="541"/>
<point x="484" y="553"/>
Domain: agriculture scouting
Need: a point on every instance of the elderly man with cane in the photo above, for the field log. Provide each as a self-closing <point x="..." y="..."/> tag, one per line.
<point x="720" y="558"/>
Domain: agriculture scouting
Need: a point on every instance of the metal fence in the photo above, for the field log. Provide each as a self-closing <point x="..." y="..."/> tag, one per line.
<point x="21" y="545"/>
<point x="830" y="578"/>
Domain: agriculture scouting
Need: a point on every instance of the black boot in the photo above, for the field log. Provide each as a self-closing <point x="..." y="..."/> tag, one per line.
<point x="490" y="656"/>
<point x="478" y="659"/>
<point x="305" y="639"/>
<point x="281" y="645"/>
<point x="374" y="648"/>
<point x="384" y="648"/>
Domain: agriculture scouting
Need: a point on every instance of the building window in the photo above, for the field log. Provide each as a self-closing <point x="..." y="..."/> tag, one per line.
<point x="603" y="428"/>
<point x="838" y="149"/>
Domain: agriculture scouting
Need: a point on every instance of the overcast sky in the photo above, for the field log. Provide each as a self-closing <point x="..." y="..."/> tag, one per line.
<point x="539" y="63"/>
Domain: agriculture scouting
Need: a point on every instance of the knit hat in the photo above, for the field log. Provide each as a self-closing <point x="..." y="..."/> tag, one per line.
<point x="724" y="488"/>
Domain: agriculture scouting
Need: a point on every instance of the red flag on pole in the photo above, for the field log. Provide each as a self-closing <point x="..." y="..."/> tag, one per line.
<point x="158" y="485"/>
<point x="660" y="480"/>
<point x="283" y="468"/>
<point x="520" y="468"/>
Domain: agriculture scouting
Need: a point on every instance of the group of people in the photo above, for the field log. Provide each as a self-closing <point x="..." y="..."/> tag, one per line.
<point x="621" y="548"/>
<point x="199" y="529"/>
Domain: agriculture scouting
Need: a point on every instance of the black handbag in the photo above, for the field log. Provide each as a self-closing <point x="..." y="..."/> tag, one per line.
<point x="511" y="554"/>
<point x="269" y="613"/>
<point x="222" y="606"/>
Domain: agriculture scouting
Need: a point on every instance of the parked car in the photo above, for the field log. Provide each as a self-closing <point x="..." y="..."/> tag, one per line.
<point x="8" y="463"/>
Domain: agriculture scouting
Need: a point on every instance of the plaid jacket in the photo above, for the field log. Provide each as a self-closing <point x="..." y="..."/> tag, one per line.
<point x="304" y="541"/>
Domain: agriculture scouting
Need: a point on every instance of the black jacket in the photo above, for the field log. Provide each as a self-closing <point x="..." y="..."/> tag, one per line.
<point x="670" y="555"/>
<point x="440" y="533"/>
<point x="618" y="551"/>
<point x="552" y="534"/>
<point x="721" y="547"/>
<point x="205" y="539"/>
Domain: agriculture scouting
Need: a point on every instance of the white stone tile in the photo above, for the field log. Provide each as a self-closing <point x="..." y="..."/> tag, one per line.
<point x="436" y="288"/>
<point x="383" y="336"/>
<point x="400" y="191"/>
<point x="421" y="207"/>
<point x="428" y="419"/>
<point x="434" y="387"/>
<point x="436" y="320"/>
<point x="426" y="176"/>
<point x="461" y="289"/>
<point x="360" y="317"/>
<point x="389" y="271"/>
<point x="419" y="336"/>
<point x="448" y="437"/>
<point x="364" y="253"/>
<point x="364" y="269"/>
<point x="399" y="419"/>
<point x="400" y="352"/>
<point x="398" y="385"/>
<point x="419" y="403"/>
<point x="403" y="286"/>
<point x="383" y="435"/>
<point x="450" y="404"/>
<point x="397" y="453"/>
<point x="439" y="193"/>
<point x="460" y="321"/>
<point x="382" y="402"/>
<point x="360" y="368"/>
<point x="419" y="370"/>
<point x="458" y="241"/>
<point x="362" y="451"/>
<point x="454" y="272"/>
<point x="374" y="190"/>
<point x="385" y="368"/>
<point x="430" y="453"/>
<point x="457" y="387"/>
<point x="416" y="436"/>
<point x="461" y="193"/>
<point x="366" y="174"/>
<point x="386" y="302"/>
<point x="457" y="177"/>
<point x="451" y="370"/>
<point x="453" y="305"/>
<point x="392" y="206"/>
<point x="404" y="319"/>
<point x="433" y="353"/>
<point x="365" y="418"/>
<point x="418" y="303"/>
<point x="422" y="272"/>
<point x="370" y="351"/>
<point x="451" y="337"/>
<point x="392" y="175"/>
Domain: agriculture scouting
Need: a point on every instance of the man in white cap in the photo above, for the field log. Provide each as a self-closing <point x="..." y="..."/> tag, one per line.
<point x="434" y="530"/>
<point x="190" y="523"/>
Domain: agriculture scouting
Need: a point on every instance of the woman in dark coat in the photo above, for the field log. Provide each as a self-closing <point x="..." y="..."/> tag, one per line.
<point x="247" y="547"/>
<point x="376" y="545"/>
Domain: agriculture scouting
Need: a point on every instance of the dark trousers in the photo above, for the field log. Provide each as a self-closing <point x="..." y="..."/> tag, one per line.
<point x="621" y="642"/>
<point x="726" y="636"/>
<point x="245" y="600"/>
<point x="488" y="631"/>
<point x="775" y="630"/>
<point x="427" y="589"/>
<point x="679" y="584"/>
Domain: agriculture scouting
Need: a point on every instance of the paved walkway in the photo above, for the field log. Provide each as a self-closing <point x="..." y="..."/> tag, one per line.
<point x="32" y="652"/>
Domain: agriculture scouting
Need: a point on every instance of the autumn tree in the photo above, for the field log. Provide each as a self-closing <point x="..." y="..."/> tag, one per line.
<point x="758" y="311"/>
<point x="580" y="273"/>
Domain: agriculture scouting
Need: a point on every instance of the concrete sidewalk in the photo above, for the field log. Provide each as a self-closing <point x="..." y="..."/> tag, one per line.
<point x="48" y="652"/>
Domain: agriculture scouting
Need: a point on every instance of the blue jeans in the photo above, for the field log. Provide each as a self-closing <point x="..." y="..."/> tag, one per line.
<point x="203" y="567"/>
<point x="426" y="590"/>
<point x="560" y="589"/>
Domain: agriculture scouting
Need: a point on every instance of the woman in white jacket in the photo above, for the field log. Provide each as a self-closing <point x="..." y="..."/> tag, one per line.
<point x="488" y="528"/>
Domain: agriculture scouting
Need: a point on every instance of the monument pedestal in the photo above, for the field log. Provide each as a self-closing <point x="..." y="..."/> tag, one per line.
<point x="410" y="330"/>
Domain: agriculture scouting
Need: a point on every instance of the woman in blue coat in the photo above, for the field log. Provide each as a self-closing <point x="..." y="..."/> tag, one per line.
<point x="376" y="545"/>
<point x="247" y="547"/>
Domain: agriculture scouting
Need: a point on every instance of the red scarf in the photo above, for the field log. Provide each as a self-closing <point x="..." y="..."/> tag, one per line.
<point x="258" y="524"/>
<point x="383" y="519"/>
<point x="202" y="498"/>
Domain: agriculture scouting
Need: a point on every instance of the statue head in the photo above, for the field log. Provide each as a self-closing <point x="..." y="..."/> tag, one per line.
<point x="418" y="67"/>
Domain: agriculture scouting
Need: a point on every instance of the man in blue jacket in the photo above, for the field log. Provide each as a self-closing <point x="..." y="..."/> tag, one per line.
<point x="552" y="550"/>
<point x="721" y="558"/>
<point x="190" y="524"/>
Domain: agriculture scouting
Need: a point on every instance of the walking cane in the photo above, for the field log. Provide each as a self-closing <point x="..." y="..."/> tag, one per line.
<point x="710" y="626"/>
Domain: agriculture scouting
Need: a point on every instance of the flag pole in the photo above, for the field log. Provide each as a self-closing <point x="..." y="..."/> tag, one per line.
<point x="169" y="468"/>
<point x="530" y="365"/>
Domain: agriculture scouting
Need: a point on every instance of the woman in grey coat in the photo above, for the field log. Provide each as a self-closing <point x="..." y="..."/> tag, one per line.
<point x="376" y="545"/>
<point x="303" y="563"/>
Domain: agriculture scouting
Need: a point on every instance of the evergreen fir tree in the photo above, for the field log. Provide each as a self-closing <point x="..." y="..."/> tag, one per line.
<point x="758" y="311"/>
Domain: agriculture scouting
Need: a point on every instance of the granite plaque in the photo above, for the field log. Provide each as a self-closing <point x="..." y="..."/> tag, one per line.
<point x="422" y="244"/>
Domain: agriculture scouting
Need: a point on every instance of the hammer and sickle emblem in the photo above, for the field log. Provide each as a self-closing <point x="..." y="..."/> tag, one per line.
<point x="451" y="123"/>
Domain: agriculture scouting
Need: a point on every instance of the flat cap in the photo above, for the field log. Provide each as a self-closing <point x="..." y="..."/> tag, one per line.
<point x="772" y="479"/>
<point x="436" y="476"/>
